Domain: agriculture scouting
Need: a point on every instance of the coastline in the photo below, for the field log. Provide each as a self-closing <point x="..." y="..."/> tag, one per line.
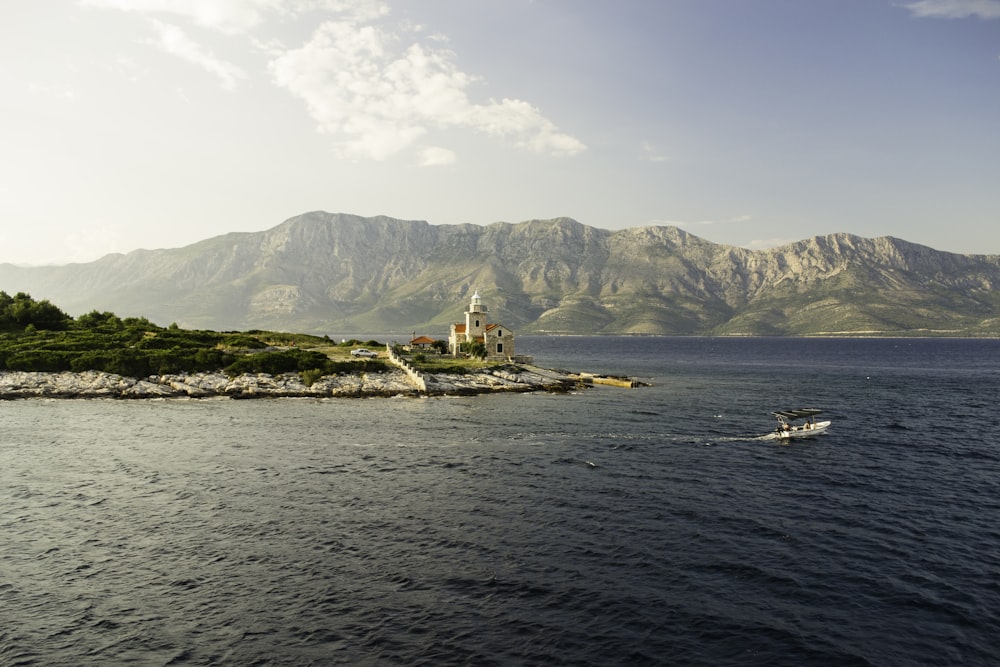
<point x="95" y="384"/>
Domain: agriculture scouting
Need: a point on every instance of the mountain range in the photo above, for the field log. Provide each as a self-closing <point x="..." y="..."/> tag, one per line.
<point x="337" y="273"/>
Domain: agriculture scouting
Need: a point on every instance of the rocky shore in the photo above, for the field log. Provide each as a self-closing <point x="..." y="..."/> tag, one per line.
<point x="93" y="384"/>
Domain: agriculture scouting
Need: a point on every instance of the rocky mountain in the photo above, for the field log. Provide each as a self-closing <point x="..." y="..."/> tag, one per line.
<point x="338" y="274"/>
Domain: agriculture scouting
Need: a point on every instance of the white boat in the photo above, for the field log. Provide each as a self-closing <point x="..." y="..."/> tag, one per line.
<point x="787" y="429"/>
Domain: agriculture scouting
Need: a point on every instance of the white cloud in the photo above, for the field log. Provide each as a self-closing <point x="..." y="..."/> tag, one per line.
<point x="65" y="94"/>
<point x="370" y="87"/>
<point x="360" y="11"/>
<point x="235" y="16"/>
<point x="956" y="9"/>
<point x="183" y="96"/>
<point x="436" y="156"/>
<point x="651" y="154"/>
<point x="520" y="121"/>
<point x="175" y="41"/>
<point x="377" y="99"/>
<point x="224" y="15"/>
<point x="129" y="68"/>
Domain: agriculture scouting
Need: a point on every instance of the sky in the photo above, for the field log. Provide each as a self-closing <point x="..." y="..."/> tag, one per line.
<point x="133" y="124"/>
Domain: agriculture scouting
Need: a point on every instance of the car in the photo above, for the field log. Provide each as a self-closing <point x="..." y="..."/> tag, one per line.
<point x="363" y="352"/>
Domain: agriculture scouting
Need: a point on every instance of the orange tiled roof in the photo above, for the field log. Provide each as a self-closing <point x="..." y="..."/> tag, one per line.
<point x="422" y="340"/>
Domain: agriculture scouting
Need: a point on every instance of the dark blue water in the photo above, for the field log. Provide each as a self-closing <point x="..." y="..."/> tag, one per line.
<point x="609" y="526"/>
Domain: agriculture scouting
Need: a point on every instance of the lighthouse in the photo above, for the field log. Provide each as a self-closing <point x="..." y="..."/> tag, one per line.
<point x="475" y="318"/>
<point x="498" y="339"/>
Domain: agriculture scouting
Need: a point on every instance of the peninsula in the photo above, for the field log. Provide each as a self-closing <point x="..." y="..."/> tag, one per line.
<point x="46" y="353"/>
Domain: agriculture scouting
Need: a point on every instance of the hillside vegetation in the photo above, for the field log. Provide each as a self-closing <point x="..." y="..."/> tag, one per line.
<point x="39" y="336"/>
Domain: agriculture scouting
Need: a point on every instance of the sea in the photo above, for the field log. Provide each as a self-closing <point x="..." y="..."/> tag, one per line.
<point x="656" y="525"/>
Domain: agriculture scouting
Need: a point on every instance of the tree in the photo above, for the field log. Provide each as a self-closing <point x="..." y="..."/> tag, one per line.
<point x="475" y="349"/>
<point x="128" y="362"/>
<point x="95" y="320"/>
<point x="22" y="310"/>
<point x="6" y="301"/>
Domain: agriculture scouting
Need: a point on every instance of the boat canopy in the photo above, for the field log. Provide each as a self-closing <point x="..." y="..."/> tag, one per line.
<point x="801" y="413"/>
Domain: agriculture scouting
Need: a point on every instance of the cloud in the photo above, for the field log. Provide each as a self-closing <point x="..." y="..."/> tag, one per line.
<point x="175" y="41"/>
<point x="956" y="9"/>
<point x="225" y="15"/>
<point x="65" y="94"/>
<point x="650" y="154"/>
<point x="377" y="98"/>
<point x="237" y="16"/>
<point x="359" y="11"/>
<point x="374" y="89"/>
<point x="128" y="68"/>
<point x="436" y="156"/>
<point x="517" y="120"/>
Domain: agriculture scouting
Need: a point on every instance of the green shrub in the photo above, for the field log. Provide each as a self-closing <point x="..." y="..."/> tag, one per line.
<point x="90" y="361"/>
<point x="274" y="363"/>
<point x="128" y="362"/>
<point x="242" y="342"/>
<point x="211" y="360"/>
<point x="105" y="321"/>
<point x="39" y="361"/>
<point x="310" y="376"/>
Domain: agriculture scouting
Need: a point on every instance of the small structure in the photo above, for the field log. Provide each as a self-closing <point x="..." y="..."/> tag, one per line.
<point x="498" y="339"/>
<point x="421" y="343"/>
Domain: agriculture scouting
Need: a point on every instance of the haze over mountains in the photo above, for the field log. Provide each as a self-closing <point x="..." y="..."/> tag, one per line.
<point x="338" y="274"/>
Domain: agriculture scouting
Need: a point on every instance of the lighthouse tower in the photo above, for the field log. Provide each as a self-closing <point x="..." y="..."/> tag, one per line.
<point x="475" y="318"/>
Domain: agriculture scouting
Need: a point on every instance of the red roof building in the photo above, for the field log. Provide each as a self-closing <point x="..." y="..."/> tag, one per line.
<point x="422" y="342"/>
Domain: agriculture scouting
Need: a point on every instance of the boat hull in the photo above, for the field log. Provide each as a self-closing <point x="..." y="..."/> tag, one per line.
<point x="803" y="431"/>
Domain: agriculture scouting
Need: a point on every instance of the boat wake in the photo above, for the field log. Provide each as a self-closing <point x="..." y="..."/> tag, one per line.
<point x="742" y="438"/>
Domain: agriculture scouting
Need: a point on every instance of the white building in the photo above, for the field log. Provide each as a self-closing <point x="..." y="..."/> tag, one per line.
<point x="498" y="339"/>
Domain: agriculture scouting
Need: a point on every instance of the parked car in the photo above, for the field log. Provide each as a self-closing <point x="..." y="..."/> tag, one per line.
<point x="363" y="352"/>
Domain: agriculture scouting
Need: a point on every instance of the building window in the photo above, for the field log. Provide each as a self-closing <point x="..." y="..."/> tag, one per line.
<point x="499" y="348"/>
<point x="499" y="333"/>
<point x="477" y="324"/>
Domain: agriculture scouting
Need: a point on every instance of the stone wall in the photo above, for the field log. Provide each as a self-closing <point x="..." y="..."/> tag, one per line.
<point x="418" y="379"/>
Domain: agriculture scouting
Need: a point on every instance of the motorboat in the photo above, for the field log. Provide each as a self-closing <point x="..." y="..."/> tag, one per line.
<point x="787" y="428"/>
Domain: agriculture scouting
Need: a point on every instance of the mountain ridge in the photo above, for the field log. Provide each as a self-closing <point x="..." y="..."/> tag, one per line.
<point x="326" y="272"/>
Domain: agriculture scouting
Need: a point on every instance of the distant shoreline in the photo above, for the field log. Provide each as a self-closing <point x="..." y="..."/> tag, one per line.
<point x="904" y="335"/>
